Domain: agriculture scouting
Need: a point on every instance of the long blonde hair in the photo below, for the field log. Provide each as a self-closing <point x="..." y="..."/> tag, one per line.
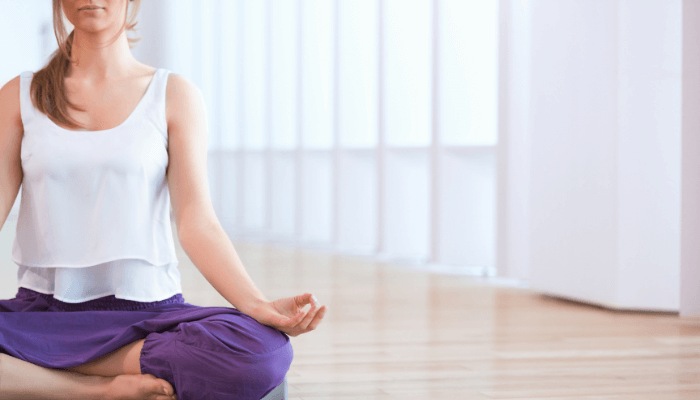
<point x="48" y="85"/>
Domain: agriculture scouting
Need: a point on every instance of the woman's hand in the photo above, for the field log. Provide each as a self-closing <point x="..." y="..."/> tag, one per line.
<point x="291" y="315"/>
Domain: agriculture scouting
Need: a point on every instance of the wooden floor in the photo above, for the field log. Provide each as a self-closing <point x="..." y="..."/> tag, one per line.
<point x="396" y="333"/>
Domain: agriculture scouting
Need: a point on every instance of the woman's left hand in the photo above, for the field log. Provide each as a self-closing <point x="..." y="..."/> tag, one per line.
<point x="291" y="315"/>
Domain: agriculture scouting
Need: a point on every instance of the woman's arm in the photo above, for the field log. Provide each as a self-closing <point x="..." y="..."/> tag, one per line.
<point x="11" y="131"/>
<point x="199" y="230"/>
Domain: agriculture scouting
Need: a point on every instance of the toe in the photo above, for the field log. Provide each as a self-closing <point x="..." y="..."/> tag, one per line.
<point x="166" y="388"/>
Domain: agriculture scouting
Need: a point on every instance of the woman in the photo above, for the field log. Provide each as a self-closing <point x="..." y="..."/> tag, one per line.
<point x="101" y="146"/>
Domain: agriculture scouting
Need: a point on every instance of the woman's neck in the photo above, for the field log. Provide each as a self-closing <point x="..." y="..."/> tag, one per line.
<point x="98" y="57"/>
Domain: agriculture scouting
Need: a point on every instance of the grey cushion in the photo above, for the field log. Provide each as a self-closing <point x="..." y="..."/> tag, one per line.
<point x="278" y="393"/>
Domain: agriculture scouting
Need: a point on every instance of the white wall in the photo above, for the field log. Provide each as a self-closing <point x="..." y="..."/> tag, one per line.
<point x="28" y="36"/>
<point x="603" y="146"/>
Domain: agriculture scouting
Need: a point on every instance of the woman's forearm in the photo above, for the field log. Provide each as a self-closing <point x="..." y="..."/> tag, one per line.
<point x="209" y="248"/>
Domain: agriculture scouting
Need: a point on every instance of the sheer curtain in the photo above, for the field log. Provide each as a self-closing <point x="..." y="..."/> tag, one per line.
<point x="358" y="126"/>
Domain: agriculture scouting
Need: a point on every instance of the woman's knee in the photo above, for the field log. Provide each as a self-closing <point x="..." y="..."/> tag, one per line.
<point x="240" y="353"/>
<point x="197" y="373"/>
<point x="223" y="357"/>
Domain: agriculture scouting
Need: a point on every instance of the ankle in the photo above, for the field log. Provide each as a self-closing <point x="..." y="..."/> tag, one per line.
<point x="137" y="386"/>
<point x="99" y="387"/>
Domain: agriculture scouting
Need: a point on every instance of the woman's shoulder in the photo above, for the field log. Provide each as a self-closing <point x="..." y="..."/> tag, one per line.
<point x="178" y="85"/>
<point x="12" y="86"/>
<point x="10" y="112"/>
<point x="14" y="83"/>
<point x="9" y="93"/>
<point x="183" y="98"/>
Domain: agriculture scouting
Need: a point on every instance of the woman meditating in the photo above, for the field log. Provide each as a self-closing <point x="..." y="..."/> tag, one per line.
<point x="102" y="147"/>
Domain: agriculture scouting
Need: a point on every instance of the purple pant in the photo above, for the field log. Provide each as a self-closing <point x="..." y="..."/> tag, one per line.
<point x="204" y="352"/>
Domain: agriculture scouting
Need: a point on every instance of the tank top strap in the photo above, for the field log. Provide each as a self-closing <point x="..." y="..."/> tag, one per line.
<point x="27" y="109"/>
<point x="155" y="100"/>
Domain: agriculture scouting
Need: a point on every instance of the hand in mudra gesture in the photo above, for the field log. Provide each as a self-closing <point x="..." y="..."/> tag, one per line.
<point x="292" y="315"/>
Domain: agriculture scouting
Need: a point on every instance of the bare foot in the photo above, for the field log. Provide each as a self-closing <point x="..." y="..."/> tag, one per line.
<point x="139" y="387"/>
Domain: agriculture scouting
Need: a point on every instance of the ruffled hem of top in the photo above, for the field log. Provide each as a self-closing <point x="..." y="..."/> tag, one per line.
<point x="88" y="264"/>
<point x="132" y="280"/>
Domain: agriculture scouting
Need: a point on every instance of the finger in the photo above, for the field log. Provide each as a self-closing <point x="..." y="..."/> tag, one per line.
<point x="304" y="299"/>
<point x="291" y="322"/>
<point x="304" y="323"/>
<point x="314" y="300"/>
<point x="311" y="325"/>
<point x="317" y="319"/>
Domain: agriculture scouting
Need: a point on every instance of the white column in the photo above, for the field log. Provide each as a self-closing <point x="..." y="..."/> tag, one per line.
<point x="690" y="211"/>
<point x="514" y="140"/>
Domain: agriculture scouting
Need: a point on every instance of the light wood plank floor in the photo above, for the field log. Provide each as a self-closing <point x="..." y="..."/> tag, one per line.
<point x="396" y="333"/>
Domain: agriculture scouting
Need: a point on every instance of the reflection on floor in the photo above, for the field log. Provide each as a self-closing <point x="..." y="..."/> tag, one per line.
<point x="394" y="333"/>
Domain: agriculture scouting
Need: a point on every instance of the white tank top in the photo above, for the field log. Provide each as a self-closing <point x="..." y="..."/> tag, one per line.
<point x="94" y="216"/>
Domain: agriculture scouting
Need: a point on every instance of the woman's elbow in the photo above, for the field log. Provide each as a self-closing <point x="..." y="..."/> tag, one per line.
<point x="191" y="228"/>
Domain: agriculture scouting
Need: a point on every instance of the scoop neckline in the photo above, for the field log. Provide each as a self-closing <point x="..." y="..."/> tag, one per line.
<point x="138" y="106"/>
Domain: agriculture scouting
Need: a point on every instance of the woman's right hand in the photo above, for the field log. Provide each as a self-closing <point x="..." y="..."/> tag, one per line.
<point x="292" y="315"/>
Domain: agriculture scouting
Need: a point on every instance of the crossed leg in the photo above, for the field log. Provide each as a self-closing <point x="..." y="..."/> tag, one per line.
<point x="116" y="376"/>
<point x="120" y="362"/>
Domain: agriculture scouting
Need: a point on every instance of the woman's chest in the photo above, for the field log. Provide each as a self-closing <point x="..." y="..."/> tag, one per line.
<point x="103" y="107"/>
<point x="134" y="149"/>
